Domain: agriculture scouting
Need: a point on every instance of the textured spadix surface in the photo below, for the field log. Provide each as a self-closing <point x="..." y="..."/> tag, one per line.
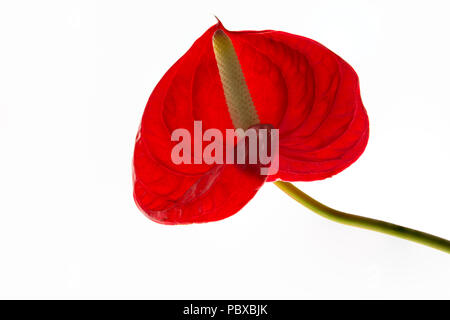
<point x="297" y="85"/>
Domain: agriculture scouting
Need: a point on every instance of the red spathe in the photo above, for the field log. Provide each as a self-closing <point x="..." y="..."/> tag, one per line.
<point x="297" y="85"/>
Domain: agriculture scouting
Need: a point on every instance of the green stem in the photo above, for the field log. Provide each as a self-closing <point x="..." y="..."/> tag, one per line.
<point x="363" y="222"/>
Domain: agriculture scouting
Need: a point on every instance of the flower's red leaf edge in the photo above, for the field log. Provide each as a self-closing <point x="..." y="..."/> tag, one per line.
<point x="296" y="84"/>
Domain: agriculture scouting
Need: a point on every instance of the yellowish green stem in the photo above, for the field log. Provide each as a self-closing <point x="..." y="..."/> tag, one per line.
<point x="363" y="222"/>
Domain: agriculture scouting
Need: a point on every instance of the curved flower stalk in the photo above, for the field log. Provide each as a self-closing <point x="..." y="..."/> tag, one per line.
<point x="363" y="222"/>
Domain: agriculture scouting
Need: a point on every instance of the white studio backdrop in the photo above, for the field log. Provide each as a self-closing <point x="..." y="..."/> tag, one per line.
<point x="74" y="80"/>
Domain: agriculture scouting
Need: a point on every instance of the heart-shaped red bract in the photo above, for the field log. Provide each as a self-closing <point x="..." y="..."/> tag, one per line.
<point x="297" y="85"/>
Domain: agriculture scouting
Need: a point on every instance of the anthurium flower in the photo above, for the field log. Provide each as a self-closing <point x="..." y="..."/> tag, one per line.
<point x="296" y="85"/>
<point x="253" y="81"/>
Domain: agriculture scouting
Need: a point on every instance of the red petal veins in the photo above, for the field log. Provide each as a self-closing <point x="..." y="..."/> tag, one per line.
<point x="324" y="127"/>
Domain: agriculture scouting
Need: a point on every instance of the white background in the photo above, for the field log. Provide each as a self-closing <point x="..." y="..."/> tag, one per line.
<point x="74" y="80"/>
